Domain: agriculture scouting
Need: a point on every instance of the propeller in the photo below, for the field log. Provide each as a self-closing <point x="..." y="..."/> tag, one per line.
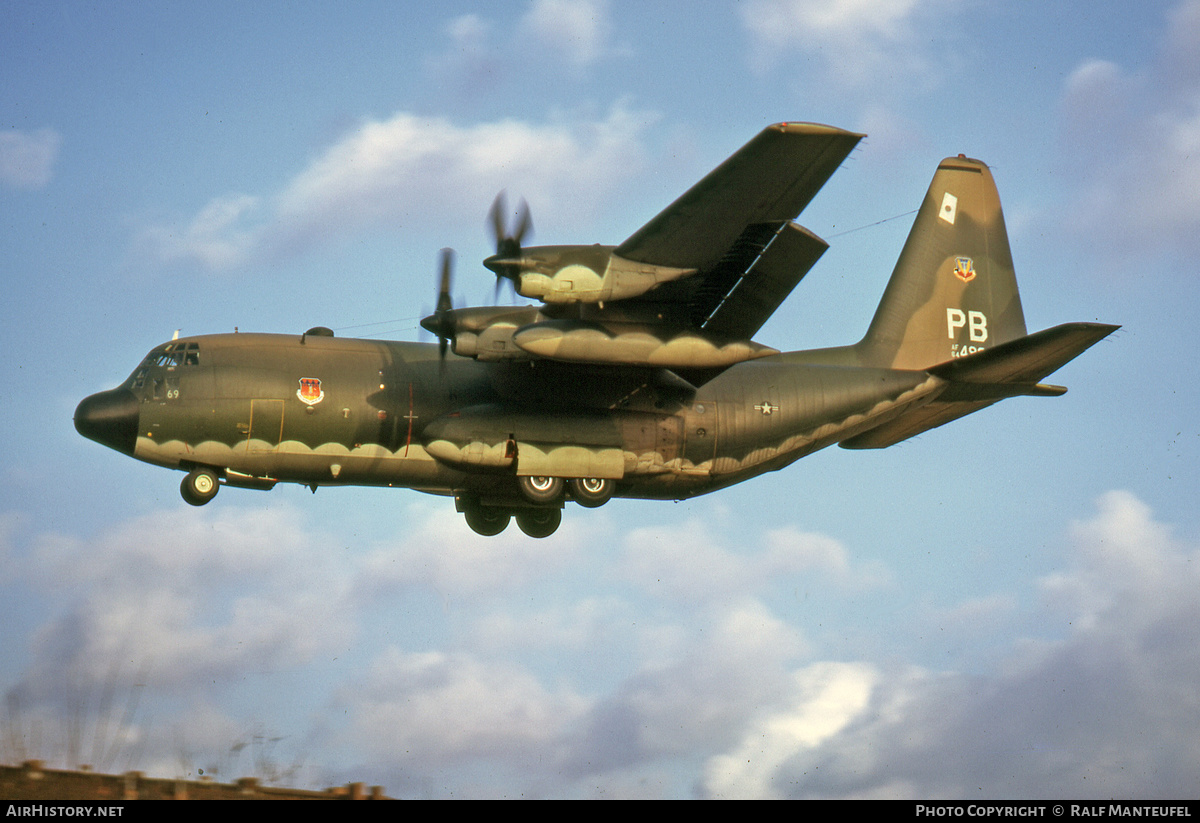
<point x="506" y="262"/>
<point x="441" y="322"/>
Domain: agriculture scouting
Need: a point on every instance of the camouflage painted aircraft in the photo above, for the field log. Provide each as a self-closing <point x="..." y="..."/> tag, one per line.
<point x="636" y="376"/>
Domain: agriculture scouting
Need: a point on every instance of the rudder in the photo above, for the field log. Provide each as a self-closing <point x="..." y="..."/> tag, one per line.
<point x="953" y="291"/>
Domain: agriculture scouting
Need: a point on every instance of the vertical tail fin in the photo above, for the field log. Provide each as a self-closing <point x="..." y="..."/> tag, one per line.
<point x="953" y="291"/>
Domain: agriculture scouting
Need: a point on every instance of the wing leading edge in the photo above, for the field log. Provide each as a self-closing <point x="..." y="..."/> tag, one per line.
<point x="769" y="180"/>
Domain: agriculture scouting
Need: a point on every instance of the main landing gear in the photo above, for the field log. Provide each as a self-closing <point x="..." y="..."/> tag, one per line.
<point x="491" y="520"/>
<point x="591" y="492"/>
<point x="586" y="491"/>
<point x="541" y="512"/>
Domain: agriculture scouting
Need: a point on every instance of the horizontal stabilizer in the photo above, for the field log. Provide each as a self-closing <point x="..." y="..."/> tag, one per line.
<point x="975" y="382"/>
<point x="1026" y="359"/>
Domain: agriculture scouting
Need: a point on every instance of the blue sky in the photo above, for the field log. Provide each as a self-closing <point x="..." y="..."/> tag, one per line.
<point x="1007" y="606"/>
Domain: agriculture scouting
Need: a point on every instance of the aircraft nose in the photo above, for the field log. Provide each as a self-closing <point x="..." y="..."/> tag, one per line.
<point x="111" y="418"/>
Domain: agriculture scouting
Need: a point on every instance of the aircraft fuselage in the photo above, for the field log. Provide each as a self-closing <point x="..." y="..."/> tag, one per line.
<point x="320" y="411"/>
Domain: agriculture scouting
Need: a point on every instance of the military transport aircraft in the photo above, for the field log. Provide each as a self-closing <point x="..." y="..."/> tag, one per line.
<point x="636" y="376"/>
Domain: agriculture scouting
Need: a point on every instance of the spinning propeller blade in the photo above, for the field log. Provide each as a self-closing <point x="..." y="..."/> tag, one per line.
<point x="506" y="262"/>
<point x="441" y="322"/>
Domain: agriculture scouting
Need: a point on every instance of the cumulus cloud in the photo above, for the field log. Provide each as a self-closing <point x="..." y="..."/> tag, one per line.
<point x="827" y="697"/>
<point x="579" y="30"/>
<point x="690" y="563"/>
<point x="1133" y="142"/>
<point x="27" y="158"/>
<point x="857" y="41"/>
<point x="439" y="552"/>
<point x="408" y="170"/>
<point x="152" y="620"/>
<point x="554" y="34"/>
<point x="221" y="235"/>
<point x="1109" y="710"/>
<point x="437" y="709"/>
<point x="471" y="62"/>
<point x="186" y="597"/>
<point x="697" y="688"/>
<point x="623" y="665"/>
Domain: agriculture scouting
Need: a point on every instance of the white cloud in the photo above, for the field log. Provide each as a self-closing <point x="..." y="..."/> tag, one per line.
<point x="699" y="684"/>
<point x="1181" y="53"/>
<point x="1132" y="142"/>
<point x="468" y="32"/>
<point x="221" y="235"/>
<point x="858" y="41"/>
<point x="441" y="553"/>
<point x="827" y="697"/>
<point x="553" y="38"/>
<point x="575" y="626"/>
<point x="1110" y="710"/>
<point x="577" y="29"/>
<point x="672" y="669"/>
<point x="691" y="563"/>
<point x="436" y="709"/>
<point x="186" y="596"/>
<point x="471" y="63"/>
<point x="27" y="158"/>
<point x="408" y="170"/>
<point x="785" y="22"/>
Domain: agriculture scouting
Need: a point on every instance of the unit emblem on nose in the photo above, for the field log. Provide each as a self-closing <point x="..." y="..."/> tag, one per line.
<point x="310" y="391"/>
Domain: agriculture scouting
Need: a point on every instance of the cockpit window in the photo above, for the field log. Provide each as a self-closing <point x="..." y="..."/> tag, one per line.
<point x="174" y="354"/>
<point x="167" y="357"/>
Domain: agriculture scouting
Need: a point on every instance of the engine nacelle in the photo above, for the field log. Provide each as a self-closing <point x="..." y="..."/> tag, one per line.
<point x="632" y="345"/>
<point x="582" y="274"/>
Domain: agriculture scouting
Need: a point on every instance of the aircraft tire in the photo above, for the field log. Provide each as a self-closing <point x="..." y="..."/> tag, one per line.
<point x="199" y="486"/>
<point x="541" y="490"/>
<point x="539" y="522"/>
<point x="591" y="492"/>
<point x="488" y="521"/>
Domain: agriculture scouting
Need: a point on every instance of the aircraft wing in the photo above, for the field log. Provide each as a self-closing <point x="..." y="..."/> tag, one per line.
<point x="768" y="181"/>
<point x="690" y="288"/>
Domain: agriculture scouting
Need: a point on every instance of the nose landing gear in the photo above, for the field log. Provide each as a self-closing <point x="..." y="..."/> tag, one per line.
<point x="199" y="486"/>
